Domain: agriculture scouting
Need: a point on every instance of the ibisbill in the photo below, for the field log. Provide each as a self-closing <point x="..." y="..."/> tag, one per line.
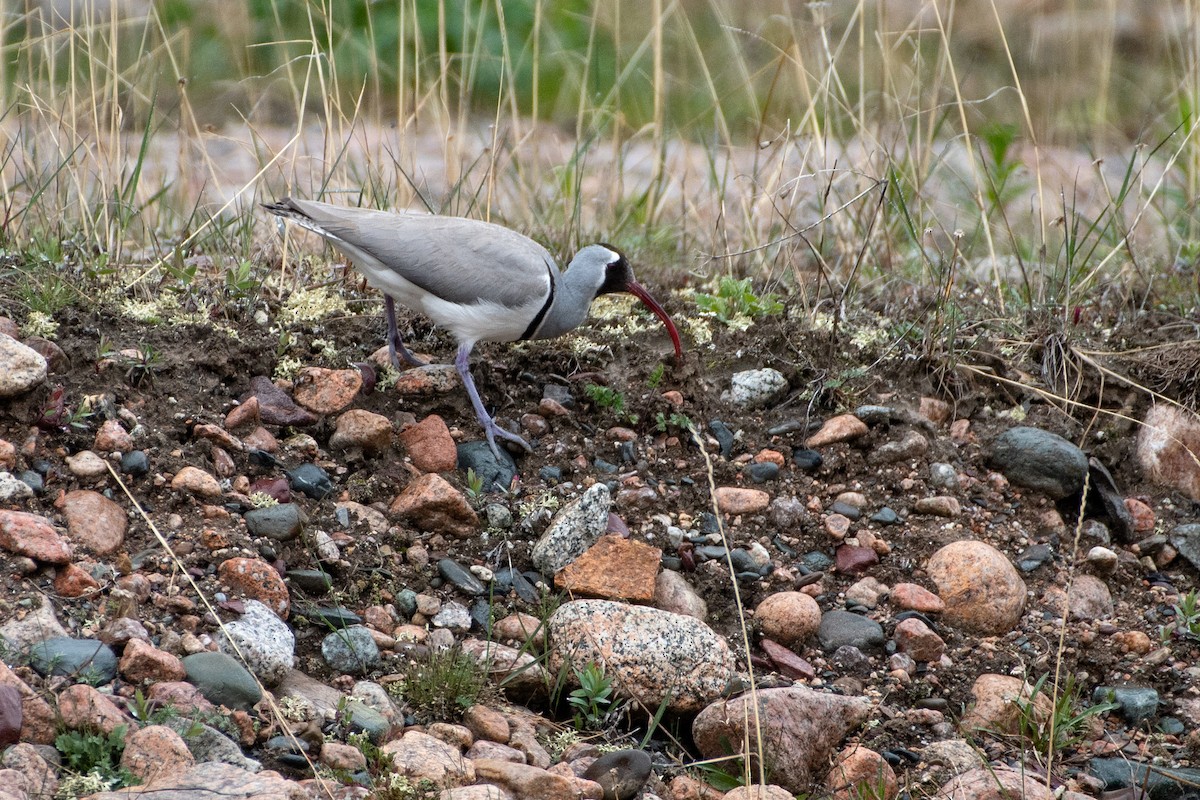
<point x="480" y="281"/>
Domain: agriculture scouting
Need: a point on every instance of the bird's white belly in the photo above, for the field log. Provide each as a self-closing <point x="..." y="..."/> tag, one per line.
<point x="481" y="321"/>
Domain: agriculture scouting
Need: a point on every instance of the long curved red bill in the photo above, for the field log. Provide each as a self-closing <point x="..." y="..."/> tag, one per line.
<point x="635" y="289"/>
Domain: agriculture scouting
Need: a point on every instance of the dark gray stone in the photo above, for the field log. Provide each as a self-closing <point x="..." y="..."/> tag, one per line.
<point x="1186" y="539"/>
<point x="497" y="476"/>
<point x="406" y="603"/>
<point x="1161" y="783"/>
<point x="817" y="561"/>
<point x="1034" y="556"/>
<point x="550" y="474"/>
<point x="845" y="509"/>
<point x="1039" y="460"/>
<point x="222" y="680"/>
<point x="311" y="481"/>
<point x="311" y="581"/>
<point x="1136" y="703"/>
<point x="762" y="471"/>
<point x="723" y="435"/>
<point x="885" y="516"/>
<point x="282" y="522"/>
<point x="621" y="773"/>
<point x="460" y="576"/>
<point x="843" y="629"/>
<point x="351" y="650"/>
<point x="874" y="415"/>
<point x="90" y="660"/>
<point x="807" y="460"/>
<point x="135" y="463"/>
<point x="33" y="480"/>
<point x="334" y="617"/>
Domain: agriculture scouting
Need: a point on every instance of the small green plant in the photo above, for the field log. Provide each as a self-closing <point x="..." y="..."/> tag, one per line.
<point x="443" y="685"/>
<point x="1067" y="723"/>
<point x="662" y="422"/>
<point x="736" y="304"/>
<point x="604" y="397"/>
<point x="656" y="375"/>
<point x="1187" y="615"/>
<point x="592" y="701"/>
<point x="474" y="484"/>
<point x="92" y="753"/>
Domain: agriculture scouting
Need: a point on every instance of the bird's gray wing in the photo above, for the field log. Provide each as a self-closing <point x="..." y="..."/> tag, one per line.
<point x="457" y="259"/>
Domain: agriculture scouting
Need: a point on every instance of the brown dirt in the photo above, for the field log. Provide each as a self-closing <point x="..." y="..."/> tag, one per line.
<point x="200" y="374"/>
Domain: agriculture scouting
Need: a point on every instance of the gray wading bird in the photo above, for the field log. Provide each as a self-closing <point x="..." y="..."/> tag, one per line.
<point x="482" y="282"/>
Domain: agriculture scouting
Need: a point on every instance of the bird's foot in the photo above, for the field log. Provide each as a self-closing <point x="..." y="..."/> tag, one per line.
<point x="397" y="351"/>
<point x="493" y="430"/>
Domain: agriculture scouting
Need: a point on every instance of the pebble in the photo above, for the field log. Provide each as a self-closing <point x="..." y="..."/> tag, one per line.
<point x="807" y="460"/>
<point x="88" y="660"/>
<point x="723" y="435"/>
<point x="255" y="578"/>
<point x="943" y="475"/>
<point x="86" y="464"/>
<point x="21" y="368"/>
<point x="941" y="506"/>
<point x="1166" y="446"/>
<point x="762" y="471"/>
<point x="620" y="774"/>
<point x="874" y="415"/>
<point x="911" y="445"/>
<point x="757" y="388"/>
<point x="13" y="488"/>
<point x="365" y="430"/>
<point x="885" y="516"/>
<point x="655" y="656"/>
<point x="452" y="616"/>
<point x="845" y="510"/>
<point x="844" y="629"/>
<point x="1136" y="703"/>
<point x="496" y="476"/>
<point x="788" y="617"/>
<point x="427" y="381"/>
<point x="282" y="522"/>
<point x="917" y="598"/>
<point x="35" y="482"/>
<point x="736" y="501"/>
<point x="575" y="528"/>
<point x="1034" y="556"/>
<point x="844" y="428"/>
<point x="275" y="407"/>
<point x="614" y="568"/>
<point x="982" y="590"/>
<point x="460" y="577"/>
<point x="351" y="650"/>
<point x="432" y="504"/>
<point x="311" y="481"/>
<point x="260" y="640"/>
<point x="430" y="445"/>
<point x="1039" y="460"/>
<point x="222" y="680"/>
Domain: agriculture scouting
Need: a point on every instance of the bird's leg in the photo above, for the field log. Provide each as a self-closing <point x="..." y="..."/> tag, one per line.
<point x="396" y="348"/>
<point x="490" y="428"/>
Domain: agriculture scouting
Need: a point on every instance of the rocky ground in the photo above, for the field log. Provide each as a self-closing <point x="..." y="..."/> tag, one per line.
<point x="219" y="584"/>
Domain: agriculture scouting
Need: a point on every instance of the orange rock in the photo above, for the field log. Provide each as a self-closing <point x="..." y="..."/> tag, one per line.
<point x="82" y="707"/>
<point x="112" y="436"/>
<point x="156" y="751"/>
<point x="916" y="598"/>
<point x="326" y="391"/>
<point x="94" y="522"/>
<point x="142" y="661"/>
<point x="733" y="500"/>
<point x="613" y="568"/>
<point x="256" y="579"/>
<point x="934" y="410"/>
<point x="838" y="429"/>
<point x="25" y="534"/>
<point x="432" y="504"/>
<point x="788" y="617"/>
<point x="773" y="456"/>
<point x="430" y="445"/>
<point x="861" y="772"/>
<point x="74" y="581"/>
<point x="244" y="415"/>
<point x="982" y="590"/>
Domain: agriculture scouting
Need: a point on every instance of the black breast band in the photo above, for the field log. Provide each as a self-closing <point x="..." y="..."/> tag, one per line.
<point x="541" y="314"/>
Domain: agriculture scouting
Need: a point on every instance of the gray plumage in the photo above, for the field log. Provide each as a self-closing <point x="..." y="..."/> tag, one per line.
<point x="482" y="282"/>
